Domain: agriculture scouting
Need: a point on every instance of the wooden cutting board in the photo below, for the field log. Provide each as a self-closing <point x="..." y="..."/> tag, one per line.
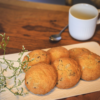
<point x="83" y="87"/>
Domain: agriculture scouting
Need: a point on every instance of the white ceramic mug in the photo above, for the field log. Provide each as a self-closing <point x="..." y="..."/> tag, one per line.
<point x="82" y="21"/>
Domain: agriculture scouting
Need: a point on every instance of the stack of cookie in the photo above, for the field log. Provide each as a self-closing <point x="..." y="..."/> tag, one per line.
<point x="88" y="61"/>
<point x="68" y="70"/>
<point x="59" y="67"/>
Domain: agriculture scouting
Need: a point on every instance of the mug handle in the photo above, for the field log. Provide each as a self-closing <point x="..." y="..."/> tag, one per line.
<point x="98" y="21"/>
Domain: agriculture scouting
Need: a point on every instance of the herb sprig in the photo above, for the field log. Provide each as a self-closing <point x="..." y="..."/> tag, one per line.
<point x="16" y="88"/>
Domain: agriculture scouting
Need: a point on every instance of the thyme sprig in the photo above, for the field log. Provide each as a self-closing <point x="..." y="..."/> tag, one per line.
<point x="6" y="65"/>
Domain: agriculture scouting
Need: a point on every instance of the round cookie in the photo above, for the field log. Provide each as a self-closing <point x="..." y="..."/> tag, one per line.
<point x="41" y="78"/>
<point x="69" y="72"/>
<point x="35" y="57"/>
<point x="90" y="66"/>
<point x="76" y="52"/>
<point x="57" y="52"/>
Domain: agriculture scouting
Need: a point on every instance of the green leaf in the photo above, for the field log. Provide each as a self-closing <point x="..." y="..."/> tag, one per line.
<point x="10" y="77"/>
<point x="21" y="90"/>
<point x="12" y="87"/>
<point x="1" y="35"/>
<point x="8" y="38"/>
<point x="18" y="60"/>
<point x="4" y="34"/>
<point x="28" y="56"/>
<point x="5" y="69"/>
<point x="19" y="82"/>
<point x="16" y="93"/>
<point x="32" y="59"/>
<point x="23" y="48"/>
<point x="12" y="64"/>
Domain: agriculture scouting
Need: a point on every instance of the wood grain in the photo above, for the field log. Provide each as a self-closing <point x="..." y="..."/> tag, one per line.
<point x="32" y="27"/>
<point x="36" y="5"/>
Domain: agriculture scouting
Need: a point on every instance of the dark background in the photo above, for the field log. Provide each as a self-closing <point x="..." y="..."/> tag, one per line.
<point x="62" y="2"/>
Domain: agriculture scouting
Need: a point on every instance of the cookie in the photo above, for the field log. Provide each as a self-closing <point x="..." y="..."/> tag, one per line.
<point x="69" y="72"/>
<point x="76" y="52"/>
<point x="35" y="57"/>
<point x="41" y="78"/>
<point x="57" y="52"/>
<point x="90" y="66"/>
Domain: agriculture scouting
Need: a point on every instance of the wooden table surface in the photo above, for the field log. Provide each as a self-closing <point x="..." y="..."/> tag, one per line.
<point x="31" y="24"/>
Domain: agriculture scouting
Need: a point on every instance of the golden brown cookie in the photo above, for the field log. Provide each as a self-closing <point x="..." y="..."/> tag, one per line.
<point x="76" y="52"/>
<point x="69" y="72"/>
<point x="57" y="52"/>
<point x="90" y="66"/>
<point x="41" y="78"/>
<point x="35" y="57"/>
